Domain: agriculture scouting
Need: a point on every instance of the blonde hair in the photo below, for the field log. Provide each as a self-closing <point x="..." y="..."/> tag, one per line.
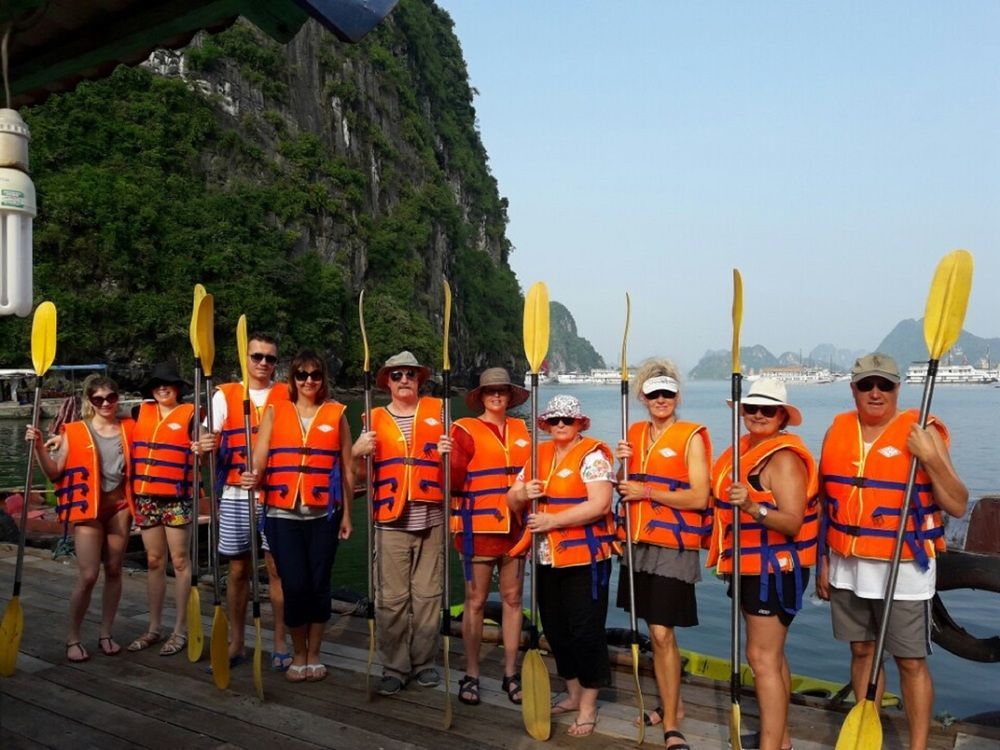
<point x="91" y="385"/>
<point x="654" y="368"/>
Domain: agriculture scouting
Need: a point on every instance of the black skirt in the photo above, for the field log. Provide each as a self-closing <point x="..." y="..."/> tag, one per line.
<point x="659" y="600"/>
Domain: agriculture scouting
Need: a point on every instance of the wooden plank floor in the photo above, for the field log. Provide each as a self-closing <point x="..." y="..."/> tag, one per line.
<point x="147" y="701"/>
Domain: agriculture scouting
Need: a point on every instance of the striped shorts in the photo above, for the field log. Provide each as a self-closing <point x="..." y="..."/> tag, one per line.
<point x="234" y="528"/>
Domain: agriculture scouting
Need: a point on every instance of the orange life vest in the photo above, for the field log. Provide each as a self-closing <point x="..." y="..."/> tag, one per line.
<point x="404" y="473"/>
<point x="78" y="490"/>
<point x="864" y="495"/>
<point x="305" y="465"/>
<point x="663" y="466"/>
<point x="587" y="544"/>
<point x="161" y="451"/>
<point x="763" y="551"/>
<point x="232" y="441"/>
<point x="480" y="506"/>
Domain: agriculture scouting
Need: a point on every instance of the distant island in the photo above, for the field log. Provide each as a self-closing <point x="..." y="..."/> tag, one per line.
<point x="905" y="342"/>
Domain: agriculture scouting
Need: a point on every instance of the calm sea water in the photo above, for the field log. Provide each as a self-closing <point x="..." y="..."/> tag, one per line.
<point x="972" y="413"/>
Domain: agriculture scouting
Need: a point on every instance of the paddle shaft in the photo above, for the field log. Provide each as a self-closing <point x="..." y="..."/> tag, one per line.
<point x="252" y="514"/>
<point x="734" y="687"/>
<point x="897" y="552"/>
<point x="35" y="411"/>
<point x="534" y="509"/>
<point x="213" y="506"/>
<point x="196" y="478"/>
<point x="369" y="471"/>
<point x="628" y="524"/>
<point x="446" y="466"/>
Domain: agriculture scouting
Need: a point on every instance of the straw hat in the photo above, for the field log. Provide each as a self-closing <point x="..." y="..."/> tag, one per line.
<point x="495" y="377"/>
<point x="402" y="361"/>
<point x="768" y="392"/>
<point x="563" y="406"/>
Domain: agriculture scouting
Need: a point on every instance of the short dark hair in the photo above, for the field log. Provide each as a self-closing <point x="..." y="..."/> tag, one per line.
<point x="265" y="338"/>
<point x="307" y="357"/>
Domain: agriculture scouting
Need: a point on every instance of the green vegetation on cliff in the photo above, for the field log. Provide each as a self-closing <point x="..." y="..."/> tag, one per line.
<point x="283" y="197"/>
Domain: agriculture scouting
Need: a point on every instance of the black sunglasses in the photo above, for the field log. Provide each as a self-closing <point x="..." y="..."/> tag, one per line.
<point x="314" y="375"/>
<point x="258" y="357"/>
<point x="111" y="399"/>
<point x="866" y="384"/>
<point x="767" y="411"/>
<point x="496" y="391"/>
<point x="396" y="375"/>
<point x="661" y="394"/>
<point x="553" y="421"/>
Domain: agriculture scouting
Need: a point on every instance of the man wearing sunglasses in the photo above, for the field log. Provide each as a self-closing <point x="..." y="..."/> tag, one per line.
<point x="408" y="511"/>
<point x="234" y="525"/>
<point x="864" y="470"/>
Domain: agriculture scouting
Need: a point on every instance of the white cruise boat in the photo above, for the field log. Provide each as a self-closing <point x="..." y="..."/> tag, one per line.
<point x="951" y="374"/>
<point x="596" y="376"/>
<point x="795" y="375"/>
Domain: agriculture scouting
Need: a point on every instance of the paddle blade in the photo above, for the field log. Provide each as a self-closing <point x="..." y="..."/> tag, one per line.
<point x="11" y="628"/>
<point x="196" y="635"/>
<point x="446" y="720"/>
<point x="258" y="673"/>
<point x="947" y="302"/>
<point x="43" y="337"/>
<point x="734" y="728"/>
<point x="369" y="687"/>
<point x="241" y="346"/>
<point x="536" y="709"/>
<point x="862" y="729"/>
<point x="628" y="318"/>
<point x="364" y="333"/>
<point x="737" y="316"/>
<point x="199" y="292"/>
<point x="205" y="333"/>
<point x="536" y="325"/>
<point x="447" y="325"/>
<point x="638" y="694"/>
<point x="220" y="648"/>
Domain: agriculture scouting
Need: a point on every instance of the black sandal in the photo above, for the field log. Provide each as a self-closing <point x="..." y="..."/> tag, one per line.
<point x="469" y="686"/>
<point x="647" y="718"/>
<point x="512" y="685"/>
<point x="674" y="734"/>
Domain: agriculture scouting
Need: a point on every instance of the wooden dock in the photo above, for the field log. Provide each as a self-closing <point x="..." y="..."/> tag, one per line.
<point x="147" y="701"/>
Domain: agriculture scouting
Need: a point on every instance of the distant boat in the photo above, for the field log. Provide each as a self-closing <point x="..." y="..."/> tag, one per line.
<point x="796" y="375"/>
<point x="952" y="374"/>
<point x="597" y="376"/>
<point x="543" y="379"/>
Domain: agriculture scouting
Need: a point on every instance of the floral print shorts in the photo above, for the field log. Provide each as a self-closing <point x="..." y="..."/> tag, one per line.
<point x="157" y="510"/>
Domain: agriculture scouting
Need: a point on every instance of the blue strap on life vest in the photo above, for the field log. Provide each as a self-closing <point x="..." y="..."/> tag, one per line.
<point x="677" y="526"/>
<point x="670" y="483"/>
<point x="593" y="542"/>
<point x="466" y="511"/>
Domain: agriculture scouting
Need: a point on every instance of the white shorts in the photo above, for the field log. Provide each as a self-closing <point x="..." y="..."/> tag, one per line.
<point x="234" y="528"/>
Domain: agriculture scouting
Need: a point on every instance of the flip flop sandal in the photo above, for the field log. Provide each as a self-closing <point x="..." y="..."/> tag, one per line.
<point x="674" y="734"/>
<point x="144" y="641"/>
<point x="174" y="645"/>
<point x="468" y="690"/>
<point x="296" y="673"/>
<point x="280" y="661"/>
<point x="111" y="649"/>
<point x="84" y="656"/>
<point x="315" y="672"/>
<point x="581" y="725"/>
<point x="558" y="709"/>
<point x="512" y="685"/>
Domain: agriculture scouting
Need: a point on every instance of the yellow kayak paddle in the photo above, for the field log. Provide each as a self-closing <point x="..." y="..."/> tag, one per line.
<point x="196" y="636"/>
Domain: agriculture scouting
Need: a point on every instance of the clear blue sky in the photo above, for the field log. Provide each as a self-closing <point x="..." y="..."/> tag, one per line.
<point x="833" y="152"/>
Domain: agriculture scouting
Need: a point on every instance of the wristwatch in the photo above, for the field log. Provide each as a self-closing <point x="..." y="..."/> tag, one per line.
<point x="761" y="513"/>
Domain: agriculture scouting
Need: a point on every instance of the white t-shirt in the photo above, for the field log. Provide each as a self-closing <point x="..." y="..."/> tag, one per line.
<point x="867" y="578"/>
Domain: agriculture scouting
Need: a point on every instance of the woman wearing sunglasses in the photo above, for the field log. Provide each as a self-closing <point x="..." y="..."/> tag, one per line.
<point x="487" y="453"/>
<point x="298" y="464"/>
<point x="667" y="489"/>
<point x="776" y="496"/>
<point x="92" y="493"/>
<point x="576" y="540"/>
